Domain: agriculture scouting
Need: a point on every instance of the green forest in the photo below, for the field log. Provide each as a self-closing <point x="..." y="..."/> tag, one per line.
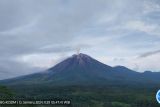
<point x="84" y="96"/>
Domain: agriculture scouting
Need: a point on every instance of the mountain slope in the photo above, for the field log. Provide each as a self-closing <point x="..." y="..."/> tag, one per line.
<point x="81" y="69"/>
<point x="77" y="69"/>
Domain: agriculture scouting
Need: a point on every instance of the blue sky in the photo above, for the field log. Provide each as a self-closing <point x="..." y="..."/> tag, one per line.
<point x="37" y="34"/>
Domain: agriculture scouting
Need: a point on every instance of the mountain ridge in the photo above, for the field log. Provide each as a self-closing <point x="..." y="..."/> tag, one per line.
<point x="81" y="69"/>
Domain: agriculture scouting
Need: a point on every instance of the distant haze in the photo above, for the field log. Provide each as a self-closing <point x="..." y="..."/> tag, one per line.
<point x="37" y="34"/>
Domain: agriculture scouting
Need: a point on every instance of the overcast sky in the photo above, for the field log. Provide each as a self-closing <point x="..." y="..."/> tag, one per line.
<point x="37" y="34"/>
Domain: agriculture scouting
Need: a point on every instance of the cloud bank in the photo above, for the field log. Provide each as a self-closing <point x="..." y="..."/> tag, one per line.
<point x="37" y="34"/>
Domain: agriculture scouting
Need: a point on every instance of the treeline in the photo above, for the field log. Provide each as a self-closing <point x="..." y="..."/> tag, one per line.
<point x="92" y="96"/>
<point x="5" y="93"/>
<point x="85" y="96"/>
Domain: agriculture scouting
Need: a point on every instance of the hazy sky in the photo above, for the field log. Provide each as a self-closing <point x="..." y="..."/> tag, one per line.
<point x="37" y="34"/>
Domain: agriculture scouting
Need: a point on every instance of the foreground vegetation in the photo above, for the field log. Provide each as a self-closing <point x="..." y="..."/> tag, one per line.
<point x="5" y="93"/>
<point x="90" y="96"/>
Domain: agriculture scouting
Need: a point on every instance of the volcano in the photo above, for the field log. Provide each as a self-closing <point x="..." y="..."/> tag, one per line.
<point x="81" y="69"/>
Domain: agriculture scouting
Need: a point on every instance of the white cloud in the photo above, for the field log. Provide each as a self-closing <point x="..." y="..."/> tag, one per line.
<point x="137" y="25"/>
<point x="150" y="7"/>
<point x="33" y="32"/>
<point x="40" y="60"/>
<point x="23" y="29"/>
<point x="149" y="63"/>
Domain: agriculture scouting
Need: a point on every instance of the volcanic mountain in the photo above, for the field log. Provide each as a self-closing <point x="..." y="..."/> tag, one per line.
<point x="81" y="69"/>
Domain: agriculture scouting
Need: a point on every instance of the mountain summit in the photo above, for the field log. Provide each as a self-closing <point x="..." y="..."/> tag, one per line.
<point x="81" y="69"/>
<point x="80" y="62"/>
